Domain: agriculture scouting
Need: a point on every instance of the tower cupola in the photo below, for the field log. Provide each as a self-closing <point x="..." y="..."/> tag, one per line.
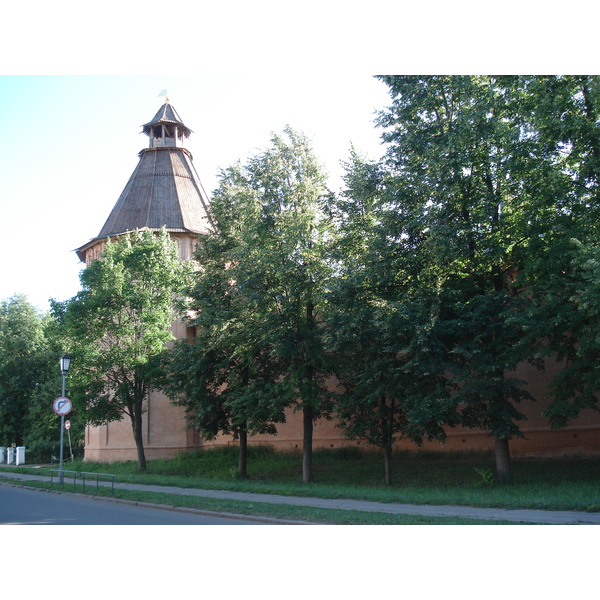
<point x="166" y="128"/>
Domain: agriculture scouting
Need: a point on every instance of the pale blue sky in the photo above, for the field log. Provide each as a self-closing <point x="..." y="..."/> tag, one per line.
<point x="70" y="144"/>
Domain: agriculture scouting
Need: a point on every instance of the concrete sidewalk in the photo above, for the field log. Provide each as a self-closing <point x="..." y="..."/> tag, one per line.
<point x="523" y="516"/>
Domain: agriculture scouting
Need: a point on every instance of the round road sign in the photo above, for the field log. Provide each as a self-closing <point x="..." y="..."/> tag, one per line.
<point x="67" y="424"/>
<point x="62" y="406"/>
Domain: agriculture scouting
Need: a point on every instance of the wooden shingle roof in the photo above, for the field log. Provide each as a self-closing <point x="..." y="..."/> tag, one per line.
<point x="163" y="191"/>
<point x="166" y="114"/>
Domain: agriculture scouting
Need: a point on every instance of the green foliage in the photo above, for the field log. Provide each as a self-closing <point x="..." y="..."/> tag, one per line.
<point x="422" y="287"/>
<point x="22" y="354"/>
<point x="487" y="476"/>
<point x="576" y="340"/>
<point x="255" y="300"/>
<point x="377" y="318"/>
<point x="48" y="452"/>
<point x="116" y="328"/>
<point x="29" y="374"/>
<point x="344" y="453"/>
<point x="30" y="380"/>
<point x="483" y="178"/>
<point x="561" y="275"/>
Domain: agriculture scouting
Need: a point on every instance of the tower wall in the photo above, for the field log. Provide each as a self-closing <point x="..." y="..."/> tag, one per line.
<point x="580" y="438"/>
<point x="164" y="435"/>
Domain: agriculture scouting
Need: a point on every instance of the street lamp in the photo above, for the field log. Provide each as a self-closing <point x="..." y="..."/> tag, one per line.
<point x="65" y="363"/>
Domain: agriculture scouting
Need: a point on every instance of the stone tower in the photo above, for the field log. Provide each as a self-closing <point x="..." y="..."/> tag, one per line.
<point x="163" y="191"/>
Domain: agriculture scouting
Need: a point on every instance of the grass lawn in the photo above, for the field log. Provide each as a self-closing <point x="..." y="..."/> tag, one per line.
<point x="418" y="477"/>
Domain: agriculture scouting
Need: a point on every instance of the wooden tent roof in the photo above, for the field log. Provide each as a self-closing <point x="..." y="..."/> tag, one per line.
<point x="163" y="191"/>
<point x="166" y="114"/>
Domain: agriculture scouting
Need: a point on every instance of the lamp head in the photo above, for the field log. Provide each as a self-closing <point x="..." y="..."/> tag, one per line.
<point x="65" y="363"/>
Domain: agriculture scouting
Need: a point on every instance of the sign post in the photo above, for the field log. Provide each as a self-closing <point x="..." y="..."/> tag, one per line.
<point x="68" y="427"/>
<point x="62" y="406"/>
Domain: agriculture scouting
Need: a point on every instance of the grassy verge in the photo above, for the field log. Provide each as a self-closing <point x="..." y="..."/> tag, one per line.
<point x="419" y="477"/>
<point x="296" y="514"/>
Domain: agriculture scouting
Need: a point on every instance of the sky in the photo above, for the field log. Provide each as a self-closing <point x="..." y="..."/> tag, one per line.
<point x="72" y="142"/>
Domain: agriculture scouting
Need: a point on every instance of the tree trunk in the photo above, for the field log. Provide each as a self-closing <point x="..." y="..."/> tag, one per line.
<point x="307" y="411"/>
<point x="387" y="458"/>
<point x="307" y="473"/>
<point x="388" y="412"/>
<point x="136" y="423"/>
<point x="243" y="458"/>
<point x="503" y="471"/>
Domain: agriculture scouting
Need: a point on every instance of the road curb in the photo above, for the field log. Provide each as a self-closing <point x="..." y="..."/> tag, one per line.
<point x="182" y="509"/>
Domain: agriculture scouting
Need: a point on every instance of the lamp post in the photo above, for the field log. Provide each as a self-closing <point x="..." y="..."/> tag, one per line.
<point x="65" y="363"/>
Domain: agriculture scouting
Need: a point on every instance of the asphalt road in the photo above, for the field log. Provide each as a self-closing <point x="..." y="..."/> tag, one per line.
<point x="19" y="506"/>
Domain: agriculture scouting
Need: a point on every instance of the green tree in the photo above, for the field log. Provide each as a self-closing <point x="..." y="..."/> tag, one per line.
<point x="223" y="375"/>
<point x="378" y="324"/>
<point x="562" y="275"/>
<point x="575" y="341"/>
<point x="465" y="165"/>
<point x="116" y="328"/>
<point x="43" y="425"/>
<point x="24" y="366"/>
<point x="270" y="210"/>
